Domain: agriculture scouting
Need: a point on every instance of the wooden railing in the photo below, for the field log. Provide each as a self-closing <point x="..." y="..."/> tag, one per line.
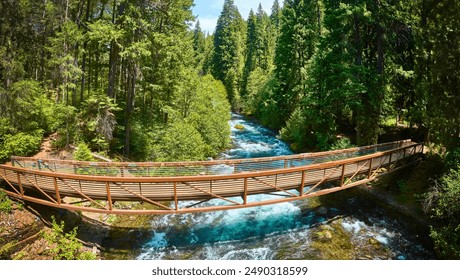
<point x="213" y="167"/>
<point x="289" y="182"/>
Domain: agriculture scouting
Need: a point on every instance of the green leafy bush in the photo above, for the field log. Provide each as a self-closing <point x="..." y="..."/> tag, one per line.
<point x="452" y="160"/>
<point x="65" y="246"/>
<point x="341" y="144"/>
<point x="295" y="130"/>
<point x="444" y="199"/>
<point x="83" y="153"/>
<point x="6" y="205"/>
<point x="20" y="144"/>
<point x="209" y="115"/>
<point x="180" y="142"/>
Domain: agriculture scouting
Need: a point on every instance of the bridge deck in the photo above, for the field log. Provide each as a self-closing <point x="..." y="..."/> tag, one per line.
<point x="99" y="186"/>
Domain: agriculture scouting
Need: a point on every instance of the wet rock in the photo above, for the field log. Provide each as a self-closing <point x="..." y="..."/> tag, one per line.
<point x="325" y="227"/>
<point x="322" y="210"/>
<point x="374" y="242"/>
<point x="323" y="236"/>
<point x="239" y="127"/>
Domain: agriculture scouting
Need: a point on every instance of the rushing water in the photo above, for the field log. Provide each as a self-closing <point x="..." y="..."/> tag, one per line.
<point x="282" y="231"/>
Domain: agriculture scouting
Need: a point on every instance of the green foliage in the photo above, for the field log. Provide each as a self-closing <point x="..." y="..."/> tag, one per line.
<point x="20" y="144"/>
<point x="452" y="160"/>
<point x="209" y="115"/>
<point x="447" y="240"/>
<point x="437" y="75"/>
<point x="6" y="205"/>
<point x="296" y="45"/>
<point x="229" y="48"/>
<point x="445" y="198"/>
<point x="180" y="142"/>
<point x="99" y="125"/>
<point x="260" y="47"/>
<point x="256" y="82"/>
<point x="107" y="73"/>
<point x="83" y="153"/>
<point x="448" y="202"/>
<point x="342" y="143"/>
<point x="23" y="104"/>
<point x="64" y="245"/>
<point x="261" y="99"/>
<point x="295" y="130"/>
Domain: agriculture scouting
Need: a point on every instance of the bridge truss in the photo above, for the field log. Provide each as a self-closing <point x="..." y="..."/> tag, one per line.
<point x="188" y="187"/>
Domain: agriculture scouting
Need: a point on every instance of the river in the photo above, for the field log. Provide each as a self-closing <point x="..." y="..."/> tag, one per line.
<point x="346" y="225"/>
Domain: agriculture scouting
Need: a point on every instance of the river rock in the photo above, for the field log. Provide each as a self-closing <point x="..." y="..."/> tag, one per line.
<point x="323" y="236"/>
<point x="374" y="242"/>
<point x="322" y="210"/>
<point x="239" y="126"/>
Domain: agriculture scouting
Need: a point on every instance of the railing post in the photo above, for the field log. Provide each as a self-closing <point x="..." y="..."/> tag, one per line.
<point x="109" y="197"/>
<point x="21" y="189"/>
<point x="302" y="183"/>
<point x="56" y="190"/>
<point x="370" y="168"/>
<point x="245" y="194"/>
<point x="342" y="178"/>
<point x="176" y="202"/>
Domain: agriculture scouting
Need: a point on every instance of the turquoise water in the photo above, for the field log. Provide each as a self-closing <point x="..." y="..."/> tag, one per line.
<point x="276" y="231"/>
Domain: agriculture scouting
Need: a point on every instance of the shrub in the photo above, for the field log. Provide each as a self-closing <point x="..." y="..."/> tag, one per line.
<point x="20" y="144"/>
<point x="83" y="153"/>
<point x="65" y="246"/>
<point x="452" y="160"/>
<point x="341" y="144"/>
<point x="444" y="202"/>
<point x="180" y="142"/>
<point x="6" y="205"/>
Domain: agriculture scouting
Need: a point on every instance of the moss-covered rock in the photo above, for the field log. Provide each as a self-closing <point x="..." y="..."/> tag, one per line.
<point x="239" y="127"/>
<point x="333" y="242"/>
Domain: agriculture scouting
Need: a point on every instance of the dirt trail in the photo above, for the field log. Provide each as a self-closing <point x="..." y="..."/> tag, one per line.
<point x="47" y="151"/>
<point x="45" y="148"/>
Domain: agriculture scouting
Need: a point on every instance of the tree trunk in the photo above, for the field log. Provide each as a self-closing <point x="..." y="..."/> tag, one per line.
<point x="131" y="91"/>
<point x="85" y="47"/>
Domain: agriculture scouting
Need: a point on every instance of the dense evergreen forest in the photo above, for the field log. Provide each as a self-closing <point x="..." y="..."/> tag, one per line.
<point x="119" y="76"/>
<point x="135" y="80"/>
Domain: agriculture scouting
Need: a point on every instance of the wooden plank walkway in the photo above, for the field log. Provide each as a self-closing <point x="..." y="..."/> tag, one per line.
<point x="100" y="186"/>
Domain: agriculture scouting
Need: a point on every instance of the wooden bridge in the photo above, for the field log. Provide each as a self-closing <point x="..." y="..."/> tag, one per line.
<point x="188" y="187"/>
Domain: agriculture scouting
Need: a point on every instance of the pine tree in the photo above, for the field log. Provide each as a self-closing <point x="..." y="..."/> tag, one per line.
<point x="229" y="48"/>
<point x="437" y="71"/>
<point x="275" y="16"/>
<point x="296" y="45"/>
<point x="199" y="45"/>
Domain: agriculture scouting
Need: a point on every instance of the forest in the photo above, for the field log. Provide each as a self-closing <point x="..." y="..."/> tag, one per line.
<point x="139" y="80"/>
